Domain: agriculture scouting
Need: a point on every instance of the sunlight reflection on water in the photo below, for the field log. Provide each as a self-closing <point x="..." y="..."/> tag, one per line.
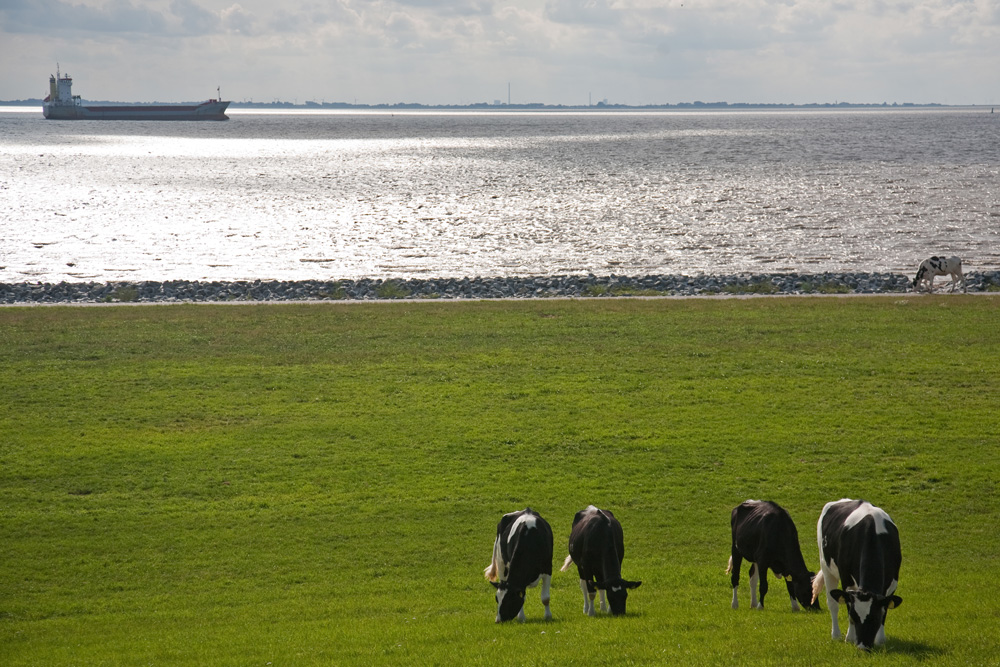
<point x="295" y="196"/>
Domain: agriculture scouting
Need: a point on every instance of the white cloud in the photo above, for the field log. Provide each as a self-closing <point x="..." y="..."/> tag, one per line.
<point x="238" y="20"/>
<point x="195" y="20"/>
<point x="558" y="51"/>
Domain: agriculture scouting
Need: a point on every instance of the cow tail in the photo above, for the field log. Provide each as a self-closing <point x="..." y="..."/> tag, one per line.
<point x="491" y="572"/>
<point x="729" y="568"/>
<point x="818" y="582"/>
<point x="566" y="564"/>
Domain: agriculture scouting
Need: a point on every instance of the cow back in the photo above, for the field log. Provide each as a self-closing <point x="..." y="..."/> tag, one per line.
<point x="863" y="543"/>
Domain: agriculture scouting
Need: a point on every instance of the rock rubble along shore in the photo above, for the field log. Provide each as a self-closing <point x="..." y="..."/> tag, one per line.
<point x="473" y="288"/>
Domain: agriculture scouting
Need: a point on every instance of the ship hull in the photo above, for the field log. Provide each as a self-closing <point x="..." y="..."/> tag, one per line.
<point x="205" y="111"/>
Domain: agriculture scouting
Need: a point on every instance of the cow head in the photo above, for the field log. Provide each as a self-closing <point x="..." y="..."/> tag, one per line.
<point x="617" y="592"/>
<point x="509" y="601"/>
<point x="801" y="591"/>
<point x="866" y="612"/>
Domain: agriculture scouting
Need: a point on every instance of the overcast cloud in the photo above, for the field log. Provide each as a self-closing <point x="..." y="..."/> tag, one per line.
<point x="467" y="51"/>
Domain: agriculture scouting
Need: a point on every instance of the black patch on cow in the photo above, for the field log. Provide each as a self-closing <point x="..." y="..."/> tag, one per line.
<point x="597" y="547"/>
<point x="764" y="534"/>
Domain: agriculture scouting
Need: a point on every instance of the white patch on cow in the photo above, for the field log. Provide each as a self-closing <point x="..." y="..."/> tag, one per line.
<point x="876" y="513"/>
<point x="499" y="567"/>
<point x="736" y="599"/>
<point x="892" y="587"/>
<point x="527" y="520"/>
<point x="862" y="608"/>
<point x="604" y="603"/>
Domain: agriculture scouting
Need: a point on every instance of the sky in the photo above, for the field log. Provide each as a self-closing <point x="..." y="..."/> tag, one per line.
<point x="571" y="52"/>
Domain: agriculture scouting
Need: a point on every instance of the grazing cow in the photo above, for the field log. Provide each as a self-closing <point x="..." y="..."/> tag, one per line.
<point x="859" y="545"/>
<point x="939" y="266"/>
<point x="764" y="535"/>
<point x="597" y="546"/>
<point x="522" y="556"/>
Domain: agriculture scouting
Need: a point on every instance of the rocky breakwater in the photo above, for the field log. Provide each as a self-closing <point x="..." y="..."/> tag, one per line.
<point x="575" y="286"/>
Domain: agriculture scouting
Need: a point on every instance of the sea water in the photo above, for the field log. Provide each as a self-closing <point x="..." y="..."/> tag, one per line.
<point x="329" y="195"/>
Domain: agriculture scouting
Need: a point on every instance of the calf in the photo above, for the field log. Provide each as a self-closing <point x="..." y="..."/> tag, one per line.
<point x="859" y="545"/>
<point x="522" y="556"/>
<point x="597" y="546"/>
<point x="939" y="266"/>
<point x="764" y="535"/>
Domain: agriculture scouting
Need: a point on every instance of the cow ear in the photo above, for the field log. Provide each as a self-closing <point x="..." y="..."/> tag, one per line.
<point x="632" y="584"/>
<point x="838" y="595"/>
<point x="894" y="601"/>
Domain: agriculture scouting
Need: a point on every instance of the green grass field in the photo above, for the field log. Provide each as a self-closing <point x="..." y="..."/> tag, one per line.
<point x="320" y="484"/>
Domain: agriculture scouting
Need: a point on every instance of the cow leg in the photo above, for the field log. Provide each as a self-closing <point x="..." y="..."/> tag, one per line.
<point x="831" y="584"/>
<point x="754" y="575"/>
<point x="604" y="604"/>
<point x="852" y="634"/>
<point x="546" y="583"/>
<point x="791" y="594"/>
<point x="762" y="574"/>
<point x="588" y="598"/>
<point x="734" y="563"/>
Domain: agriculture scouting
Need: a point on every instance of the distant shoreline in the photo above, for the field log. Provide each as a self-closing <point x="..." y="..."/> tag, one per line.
<point x="536" y="106"/>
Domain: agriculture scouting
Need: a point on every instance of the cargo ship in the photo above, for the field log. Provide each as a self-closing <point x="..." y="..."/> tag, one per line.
<point x="62" y="104"/>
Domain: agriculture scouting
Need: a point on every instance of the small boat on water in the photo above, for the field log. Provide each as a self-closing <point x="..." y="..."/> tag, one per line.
<point x="62" y="104"/>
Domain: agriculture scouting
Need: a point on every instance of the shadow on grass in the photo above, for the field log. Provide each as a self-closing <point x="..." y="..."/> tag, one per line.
<point x="914" y="649"/>
<point x="529" y="621"/>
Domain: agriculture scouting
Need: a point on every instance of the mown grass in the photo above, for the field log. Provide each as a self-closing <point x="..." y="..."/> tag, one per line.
<point x="320" y="484"/>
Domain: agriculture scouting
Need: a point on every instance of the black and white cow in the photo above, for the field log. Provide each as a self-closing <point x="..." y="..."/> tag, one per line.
<point x="939" y="266"/>
<point x="764" y="535"/>
<point x="597" y="546"/>
<point x="522" y="556"/>
<point x="859" y="546"/>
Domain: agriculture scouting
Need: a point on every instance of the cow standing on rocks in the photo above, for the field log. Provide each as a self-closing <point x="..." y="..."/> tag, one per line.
<point x="765" y="536"/>
<point x="939" y="266"/>
<point x="597" y="546"/>
<point x="522" y="557"/>
<point x="859" y="546"/>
